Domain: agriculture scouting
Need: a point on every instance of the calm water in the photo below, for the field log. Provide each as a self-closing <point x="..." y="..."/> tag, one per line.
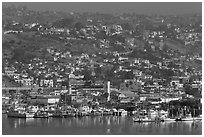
<point x="95" y="125"/>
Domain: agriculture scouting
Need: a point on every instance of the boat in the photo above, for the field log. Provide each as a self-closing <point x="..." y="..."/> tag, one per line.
<point x="137" y="119"/>
<point x="143" y="119"/>
<point x="82" y="113"/>
<point x="64" y="114"/>
<point x="41" y="114"/>
<point x="199" y="118"/>
<point x="188" y="117"/>
<point x="4" y="111"/>
<point x="123" y="112"/>
<point x="57" y="114"/>
<point x="16" y="114"/>
<point x="71" y="114"/>
<point x="168" y="119"/>
<point x="29" y="114"/>
<point x="95" y="113"/>
<point x="107" y="112"/>
<point x="178" y="119"/>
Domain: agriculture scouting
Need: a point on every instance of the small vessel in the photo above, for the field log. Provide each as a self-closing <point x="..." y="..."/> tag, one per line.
<point x="178" y="119"/>
<point x="95" y="113"/>
<point x="64" y="114"/>
<point x="168" y="119"/>
<point x="143" y="119"/>
<point x="188" y="117"/>
<point x="107" y="112"/>
<point x="82" y="113"/>
<point x="56" y="114"/>
<point x="16" y="113"/>
<point x="137" y="119"/>
<point x="71" y="114"/>
<point x="123" y="112"/>
<point x="199" y="118"/>
<point x="4" y="111"/>
<point x="29" y="114"/>
<point x="41" y="114"/>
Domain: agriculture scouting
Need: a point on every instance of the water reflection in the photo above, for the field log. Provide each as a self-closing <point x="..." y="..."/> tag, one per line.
<point x="169" y="127"/>
<point x="101" y="125"/>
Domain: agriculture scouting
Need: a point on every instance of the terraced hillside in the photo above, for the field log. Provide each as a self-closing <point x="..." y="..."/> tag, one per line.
<point x="8" y="82"/>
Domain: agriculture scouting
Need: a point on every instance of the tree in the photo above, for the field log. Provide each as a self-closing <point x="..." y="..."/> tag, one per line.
<point x="119" y="38"/>
<point x="165" y="48"/>
<point x="78" y="26"/>
<point x="148" y="47"/>
<point x="126" y="26"/>
<point x="66" y="22"/>
<point x="129" y="75"/>
<point x="98" y="72"/>
<point x="101" y="35"/>
<point x="105" y="95"/>
<point x="87" y="75"/>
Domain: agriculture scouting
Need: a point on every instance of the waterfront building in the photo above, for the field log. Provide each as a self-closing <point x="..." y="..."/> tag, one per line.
<point x="44" y="99"/>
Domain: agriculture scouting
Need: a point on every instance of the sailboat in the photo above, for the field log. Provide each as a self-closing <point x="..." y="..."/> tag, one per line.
<point x="199" y="118"/>
<point x="143" y="119"/>
<point x="188" y="117"/>
<point x="167" y="117"/>
<point x="16" y="113"/>
<point x="146" y="117"/>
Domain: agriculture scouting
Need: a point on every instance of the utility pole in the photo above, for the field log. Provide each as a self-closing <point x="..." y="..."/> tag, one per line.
<point x="108" y="84"/>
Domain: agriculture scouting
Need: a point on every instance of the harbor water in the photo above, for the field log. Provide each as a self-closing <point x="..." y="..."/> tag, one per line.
<point x="96" y="125"/>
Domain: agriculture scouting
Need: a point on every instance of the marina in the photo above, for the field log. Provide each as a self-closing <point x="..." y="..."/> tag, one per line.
<point x="89" y="125"/>
<point x="144" y="115"/>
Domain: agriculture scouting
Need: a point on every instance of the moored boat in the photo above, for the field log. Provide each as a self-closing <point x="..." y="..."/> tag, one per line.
<point x="57" y="114"/>
<point x="168" y="119"/>
<point x="123" y="112"/>
<point x="41" y="114"/>
<point x="199" y="118"/>
<point x="16" y="114"/>
<point x="4" y="111"/>
<point x="136" y="119"/>
<point x="144" y="119"/>
<point x="188" y="117"/>
<point x="29" y="114"/>
<point x="178" y="119"/>
<point x="71" y="114"/>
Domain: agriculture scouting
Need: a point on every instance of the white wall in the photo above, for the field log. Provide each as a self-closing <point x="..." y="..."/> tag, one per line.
<point x="53" y="100"/>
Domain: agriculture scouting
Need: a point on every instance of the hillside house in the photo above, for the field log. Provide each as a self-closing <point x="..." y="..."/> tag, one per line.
<point x="130" y="85"/>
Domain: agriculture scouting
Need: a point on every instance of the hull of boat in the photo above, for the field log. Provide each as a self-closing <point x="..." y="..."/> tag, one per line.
<point x="198" y="119"/>
<point x="40" y="116"/>
<point x="168" y="120"/>
<point x="187" y="119"/>
<point x="57" y="116"/>
<point x="178" y="119"/>
<point x="16" y="115"/>
<point x="29" y="115"/>
<point x="144" y="120"/>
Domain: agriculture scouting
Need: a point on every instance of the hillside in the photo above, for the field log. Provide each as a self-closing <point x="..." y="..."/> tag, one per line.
<point x="175" y="45"/>
<point x="8" y="82"/>
<point x="178" y="46"/>
<point x="24" y="46"/>
<point x="94" y="33"/>
<point x="27" y="45"/>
